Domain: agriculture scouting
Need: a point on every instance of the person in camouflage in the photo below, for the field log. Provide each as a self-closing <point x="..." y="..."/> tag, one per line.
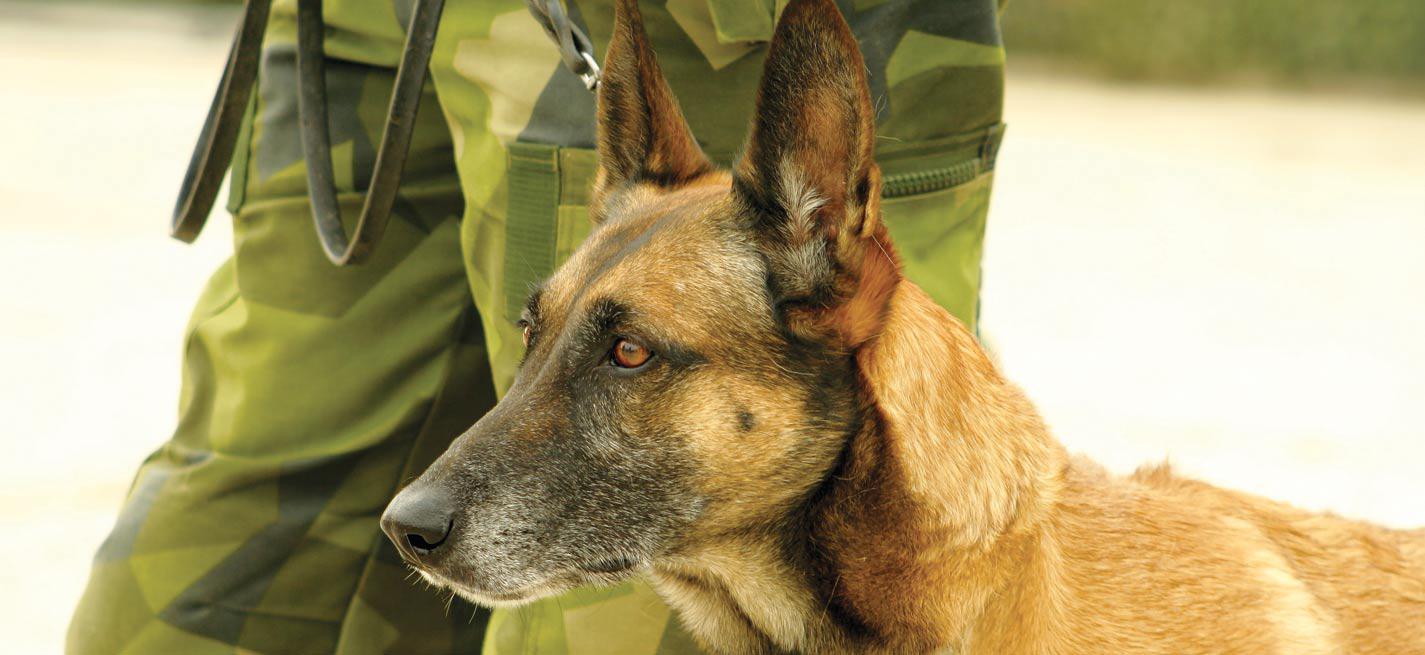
<point x="312" y="393"/>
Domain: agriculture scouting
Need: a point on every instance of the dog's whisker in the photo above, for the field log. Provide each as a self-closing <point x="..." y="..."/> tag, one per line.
<point x="830" y="597"/>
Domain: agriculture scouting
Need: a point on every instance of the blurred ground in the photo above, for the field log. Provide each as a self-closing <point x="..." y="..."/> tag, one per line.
<point x="1230" y="279"/>
<point x="100" y="109"/>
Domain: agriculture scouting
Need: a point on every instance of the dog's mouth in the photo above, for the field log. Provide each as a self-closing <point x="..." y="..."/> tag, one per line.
<point x="602" y="571"/>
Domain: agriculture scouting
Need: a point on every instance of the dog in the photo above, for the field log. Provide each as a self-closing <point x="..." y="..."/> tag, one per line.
<point x="731" y="390"/>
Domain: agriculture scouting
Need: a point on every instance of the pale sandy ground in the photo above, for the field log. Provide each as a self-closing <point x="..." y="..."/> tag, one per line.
<point x="1230" y="279"/>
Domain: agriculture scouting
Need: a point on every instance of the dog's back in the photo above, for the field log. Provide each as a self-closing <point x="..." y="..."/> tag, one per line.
<point x="1155" y="563"/>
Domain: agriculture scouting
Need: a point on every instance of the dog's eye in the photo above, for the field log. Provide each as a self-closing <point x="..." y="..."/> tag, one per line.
<point x="628" y="354"/>
<point x="527" y="330"/>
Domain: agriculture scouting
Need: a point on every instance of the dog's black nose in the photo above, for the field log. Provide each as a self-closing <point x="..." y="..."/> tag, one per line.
<point x="418" y="521"/>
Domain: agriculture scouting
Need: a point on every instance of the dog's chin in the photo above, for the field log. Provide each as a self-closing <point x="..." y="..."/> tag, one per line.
<point x="491" y="598"/>
<point x="601" y="574"/>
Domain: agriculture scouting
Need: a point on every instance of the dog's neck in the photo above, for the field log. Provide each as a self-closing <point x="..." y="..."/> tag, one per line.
<point x="938" y="506"/>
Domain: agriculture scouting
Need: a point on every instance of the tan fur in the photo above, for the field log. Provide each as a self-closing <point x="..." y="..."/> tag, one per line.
<point x="961" y="524"/>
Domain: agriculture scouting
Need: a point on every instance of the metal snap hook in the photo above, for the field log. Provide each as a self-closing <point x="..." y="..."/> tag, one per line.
<point x="575" y="48"/>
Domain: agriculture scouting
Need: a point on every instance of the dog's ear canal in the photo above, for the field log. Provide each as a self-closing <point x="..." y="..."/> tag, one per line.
<point x="642" y="134"/>
<point x="808" y="172"/>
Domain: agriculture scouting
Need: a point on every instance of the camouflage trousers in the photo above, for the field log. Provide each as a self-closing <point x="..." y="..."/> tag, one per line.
<point x="312" y="393"/>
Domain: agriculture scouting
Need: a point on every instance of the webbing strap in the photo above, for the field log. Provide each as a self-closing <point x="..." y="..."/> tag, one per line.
<point x="532" y="221"/>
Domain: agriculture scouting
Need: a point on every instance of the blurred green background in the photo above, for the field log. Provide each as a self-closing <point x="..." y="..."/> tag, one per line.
<point x="1351" y="43"/>
<point x="1370" y="45"/>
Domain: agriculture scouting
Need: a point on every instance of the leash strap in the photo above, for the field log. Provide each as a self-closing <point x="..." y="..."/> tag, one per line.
<point x="395" y="137"/>
<point x="214" y="151"/>
<point x="213" y="154"/>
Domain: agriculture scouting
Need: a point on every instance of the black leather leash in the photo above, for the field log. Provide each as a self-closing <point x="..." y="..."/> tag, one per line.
<point x="395" y="137"/>
<point x="214" y="151"/>
<point x="212" y="156"/>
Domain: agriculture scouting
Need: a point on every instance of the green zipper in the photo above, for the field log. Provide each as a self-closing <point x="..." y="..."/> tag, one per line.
<point x="976" y="150"/>
<point x="934" y="179"/>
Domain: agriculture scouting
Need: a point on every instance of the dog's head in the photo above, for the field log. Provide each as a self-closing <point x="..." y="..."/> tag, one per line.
<point x="689" y="372"/>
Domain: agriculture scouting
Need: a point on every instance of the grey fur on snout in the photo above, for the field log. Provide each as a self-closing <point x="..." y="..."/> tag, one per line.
<point x="544" y="506"/>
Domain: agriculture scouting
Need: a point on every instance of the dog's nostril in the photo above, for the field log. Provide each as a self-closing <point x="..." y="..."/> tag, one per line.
<point x="426" y="541"/>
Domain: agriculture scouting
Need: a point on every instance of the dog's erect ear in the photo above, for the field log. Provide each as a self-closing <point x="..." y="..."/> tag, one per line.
<point x="642" y="134"/>
<point x="809" y="176"/>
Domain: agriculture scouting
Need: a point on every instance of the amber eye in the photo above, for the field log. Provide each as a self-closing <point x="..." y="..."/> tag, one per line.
<point x="628" y="354"/>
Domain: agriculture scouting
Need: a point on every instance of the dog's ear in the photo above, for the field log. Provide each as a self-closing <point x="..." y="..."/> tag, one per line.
<point x="810" y="181"/>
<point x="642" y="134"/>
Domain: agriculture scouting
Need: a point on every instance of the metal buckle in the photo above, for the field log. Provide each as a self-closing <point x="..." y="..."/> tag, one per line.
<point x="395" y="138"/>
<point x="213" y="153"/>
<point x="575" y="48"/>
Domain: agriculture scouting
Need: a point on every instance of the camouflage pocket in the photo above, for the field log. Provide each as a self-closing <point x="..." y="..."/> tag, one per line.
<point x="935" y="202"/>
<point x="940" y="238"/>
